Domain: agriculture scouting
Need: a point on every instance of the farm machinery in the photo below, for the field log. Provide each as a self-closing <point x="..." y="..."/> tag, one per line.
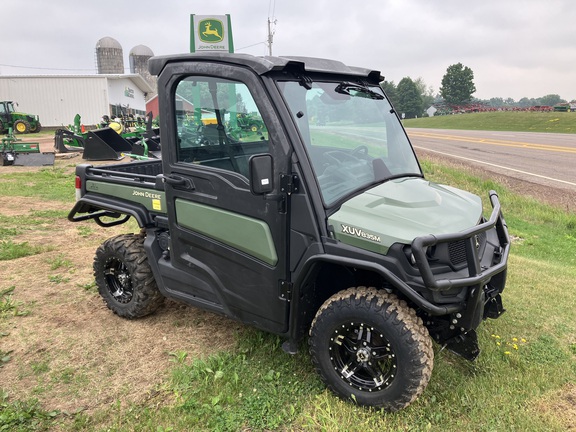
<point x="14" y="151"/>
<point x="113" y="140"/>
<point x="20" y="122"/>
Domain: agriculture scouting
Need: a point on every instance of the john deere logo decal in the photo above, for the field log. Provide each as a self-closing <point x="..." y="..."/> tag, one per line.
<point x="211" y="31"/>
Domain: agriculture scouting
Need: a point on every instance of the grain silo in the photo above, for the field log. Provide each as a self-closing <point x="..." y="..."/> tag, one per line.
<point x="109" y="56"/>
<point x="139" y="56"/>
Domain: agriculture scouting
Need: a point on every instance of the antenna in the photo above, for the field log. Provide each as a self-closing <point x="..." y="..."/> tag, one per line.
<point x="271" y="32"/>
<point x="271" y="23"/>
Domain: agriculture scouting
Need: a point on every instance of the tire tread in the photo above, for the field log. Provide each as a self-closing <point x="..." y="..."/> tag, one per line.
<point x="403" y="318"/>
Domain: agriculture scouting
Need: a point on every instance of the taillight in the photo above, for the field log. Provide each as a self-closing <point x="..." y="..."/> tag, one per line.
<point x="78" y="188"/>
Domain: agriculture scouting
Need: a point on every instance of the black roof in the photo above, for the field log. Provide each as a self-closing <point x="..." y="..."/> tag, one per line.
<point x="263" y="65"/>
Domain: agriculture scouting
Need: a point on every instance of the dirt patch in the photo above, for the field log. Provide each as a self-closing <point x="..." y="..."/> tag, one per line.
<point x="561" y="406"/>
<point x="70" y="351"/>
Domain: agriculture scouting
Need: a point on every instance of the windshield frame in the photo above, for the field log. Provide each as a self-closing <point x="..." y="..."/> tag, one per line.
<point x="348" y="155"/>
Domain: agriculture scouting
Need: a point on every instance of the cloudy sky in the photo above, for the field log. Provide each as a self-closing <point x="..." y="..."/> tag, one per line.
<point x="516" y="48"/>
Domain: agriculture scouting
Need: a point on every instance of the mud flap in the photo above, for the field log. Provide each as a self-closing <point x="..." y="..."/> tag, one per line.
<point x="105" y="144"/>
<point x="464" y="345"/>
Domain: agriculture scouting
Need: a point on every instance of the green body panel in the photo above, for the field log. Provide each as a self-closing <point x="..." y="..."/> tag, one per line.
<point x="26" y="147"/>
<point x="9" y="144"/>
<point x="32" y="119"/>
<point x="153" y="200"/>
<point x="247" y="234"/>
<point x="400" y="210"/>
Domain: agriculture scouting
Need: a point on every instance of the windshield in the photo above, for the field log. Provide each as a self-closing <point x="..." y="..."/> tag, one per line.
<point x="351" y="134"/>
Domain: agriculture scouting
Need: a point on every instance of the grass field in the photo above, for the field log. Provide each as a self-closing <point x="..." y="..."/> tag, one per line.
<point x="560" y="122"/>
<point x="523" y="380"/>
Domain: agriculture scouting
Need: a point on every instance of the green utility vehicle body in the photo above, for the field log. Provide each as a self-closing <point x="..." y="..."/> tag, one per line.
<point x="20" y="122"/>
<point x="302" y="227"/>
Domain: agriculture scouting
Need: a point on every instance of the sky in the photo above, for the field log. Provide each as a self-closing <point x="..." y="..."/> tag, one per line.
<point x="515" y="48"/>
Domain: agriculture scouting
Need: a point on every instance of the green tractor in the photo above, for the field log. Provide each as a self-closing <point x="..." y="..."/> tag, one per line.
<point x="20" y="122"/>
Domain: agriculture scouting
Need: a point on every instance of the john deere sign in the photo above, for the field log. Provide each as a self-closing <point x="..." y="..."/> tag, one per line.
<point x="211" y="33"/>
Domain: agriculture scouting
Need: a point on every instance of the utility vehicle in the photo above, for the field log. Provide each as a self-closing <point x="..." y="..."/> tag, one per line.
<point x="319" y="224"/>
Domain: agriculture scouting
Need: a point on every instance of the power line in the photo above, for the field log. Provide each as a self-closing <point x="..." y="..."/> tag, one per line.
<point x="250" y="46"/>
<point x="44" y="68"/>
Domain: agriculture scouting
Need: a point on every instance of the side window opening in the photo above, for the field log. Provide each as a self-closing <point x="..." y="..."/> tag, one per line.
<point x="218" y="124"/>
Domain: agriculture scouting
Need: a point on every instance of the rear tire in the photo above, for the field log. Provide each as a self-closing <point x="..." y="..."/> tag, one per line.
<point x="370" y="347"/>
<point x="124" y="277"/>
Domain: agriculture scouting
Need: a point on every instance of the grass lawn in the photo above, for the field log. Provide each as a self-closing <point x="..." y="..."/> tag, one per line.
<point x="523" y="380"/>
<point x="519" y="121"/>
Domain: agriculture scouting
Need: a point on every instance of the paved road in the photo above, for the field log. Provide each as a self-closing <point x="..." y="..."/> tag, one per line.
<point x="548" y="159"/>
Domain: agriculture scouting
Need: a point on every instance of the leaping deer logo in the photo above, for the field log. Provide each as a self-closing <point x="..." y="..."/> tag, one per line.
<point x="209" y="31"/>
<point x="213" y="31"/>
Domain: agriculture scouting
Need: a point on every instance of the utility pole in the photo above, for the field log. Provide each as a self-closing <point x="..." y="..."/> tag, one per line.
<point x="270" y="35"/>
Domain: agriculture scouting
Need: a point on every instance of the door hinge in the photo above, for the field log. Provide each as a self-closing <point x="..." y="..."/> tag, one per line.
<point x="289" y="183"/>
<point x="285" y="290"/>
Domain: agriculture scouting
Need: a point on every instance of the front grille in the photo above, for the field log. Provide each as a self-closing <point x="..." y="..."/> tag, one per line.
<point x="457" y="251"/>
<point x="481" y="240"/>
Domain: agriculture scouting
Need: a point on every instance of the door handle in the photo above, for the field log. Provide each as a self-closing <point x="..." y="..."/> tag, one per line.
<point x="184" y="182"/>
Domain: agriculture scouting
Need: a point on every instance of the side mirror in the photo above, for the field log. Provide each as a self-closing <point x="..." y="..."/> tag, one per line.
<point x="261" y="174"/>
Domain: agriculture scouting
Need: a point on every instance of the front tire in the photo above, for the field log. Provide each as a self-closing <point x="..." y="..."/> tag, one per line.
<point x="124" y="277"/>
<point x="369" y="346"/>
<point x="21" y="126"/>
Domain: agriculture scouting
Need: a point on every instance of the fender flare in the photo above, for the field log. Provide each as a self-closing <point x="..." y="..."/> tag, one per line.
<point x="386" y="274"/>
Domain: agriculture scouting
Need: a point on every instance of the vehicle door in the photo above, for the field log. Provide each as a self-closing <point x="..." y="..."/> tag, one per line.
<point x="230" y="242"/>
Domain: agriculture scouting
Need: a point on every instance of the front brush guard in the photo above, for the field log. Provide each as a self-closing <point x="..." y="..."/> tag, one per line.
<point x="476" y="275"/>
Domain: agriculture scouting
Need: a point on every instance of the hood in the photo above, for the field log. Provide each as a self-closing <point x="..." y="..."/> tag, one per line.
<point x="22" y="114"/>
<point x="400" y="210"/>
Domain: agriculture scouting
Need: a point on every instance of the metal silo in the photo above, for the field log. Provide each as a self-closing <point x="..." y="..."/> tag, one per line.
<point x="139" y="56"/>
<point x="109" y="56"/>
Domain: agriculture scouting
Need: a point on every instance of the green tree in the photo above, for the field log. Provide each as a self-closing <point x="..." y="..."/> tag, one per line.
<point x="551" y="100"/>
<point x="525" y="102"/>
<point x="426" y="93"/>
<point x="496" y="102"/>
<point x="458" y="84"/>
<point x="409" y="99"/>
<point x="390" y="89"/>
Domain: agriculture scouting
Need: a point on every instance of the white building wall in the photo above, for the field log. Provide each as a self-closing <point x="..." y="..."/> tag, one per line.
<point x="124" y="92"/>
<point x="57" y="99"/>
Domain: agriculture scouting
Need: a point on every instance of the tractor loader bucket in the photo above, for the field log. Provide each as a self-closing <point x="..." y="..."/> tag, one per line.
<point x="147" y="147"/>
<point x="105" y="144"/>
<point x="66" y="141"/>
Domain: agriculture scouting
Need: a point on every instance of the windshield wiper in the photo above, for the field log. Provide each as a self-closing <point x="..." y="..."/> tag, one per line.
<point x="359" y="90"/>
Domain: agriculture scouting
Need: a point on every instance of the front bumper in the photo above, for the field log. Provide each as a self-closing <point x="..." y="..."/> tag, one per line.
<point x="477" y="273"/>
<point x="485" y="268"/>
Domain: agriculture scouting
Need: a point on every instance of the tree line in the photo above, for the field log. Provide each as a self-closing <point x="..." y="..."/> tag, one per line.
<point x="413" y="97"/>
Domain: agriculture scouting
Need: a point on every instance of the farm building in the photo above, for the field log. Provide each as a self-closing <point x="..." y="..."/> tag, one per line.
<point x="58" y="98"/>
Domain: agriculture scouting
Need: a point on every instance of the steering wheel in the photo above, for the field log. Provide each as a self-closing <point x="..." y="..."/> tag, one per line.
<point x="337" y="157"/>
<point x="360" y="151"/>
